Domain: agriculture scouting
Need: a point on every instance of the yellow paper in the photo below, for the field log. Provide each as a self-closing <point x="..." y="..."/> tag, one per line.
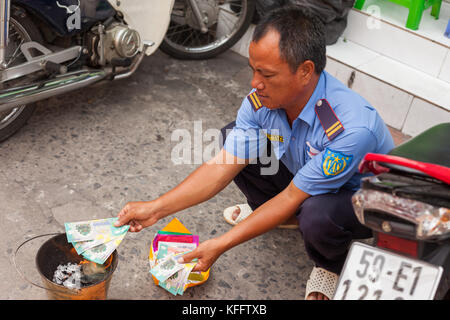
<point x="176" y="226"/>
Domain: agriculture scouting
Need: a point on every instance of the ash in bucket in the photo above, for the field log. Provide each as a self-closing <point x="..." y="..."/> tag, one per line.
<point x="77" y="276"/>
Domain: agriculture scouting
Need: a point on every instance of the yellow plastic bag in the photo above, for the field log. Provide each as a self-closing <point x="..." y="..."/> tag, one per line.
<point x="176" y="226"/>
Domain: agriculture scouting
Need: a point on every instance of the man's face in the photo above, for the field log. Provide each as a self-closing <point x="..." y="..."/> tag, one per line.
<point x="276" y="85"/>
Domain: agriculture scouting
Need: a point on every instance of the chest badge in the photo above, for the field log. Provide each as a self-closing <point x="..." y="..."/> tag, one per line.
<point x="335" y="162"/>
<point x="310" y="150"/>
<point x="274" y="137"/>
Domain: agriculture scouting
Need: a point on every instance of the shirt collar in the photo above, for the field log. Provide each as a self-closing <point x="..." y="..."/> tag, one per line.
<point x="308" y="113"/>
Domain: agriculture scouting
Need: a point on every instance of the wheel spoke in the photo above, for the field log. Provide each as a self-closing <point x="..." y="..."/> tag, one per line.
<point x="185" y="40"/>
<point x="231" y="14"/>
<point x="14" y="55"/>
<point x="179" y="31"/>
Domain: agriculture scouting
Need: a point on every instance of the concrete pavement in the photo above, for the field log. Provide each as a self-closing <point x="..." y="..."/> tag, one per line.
<point x="84" y="155"/>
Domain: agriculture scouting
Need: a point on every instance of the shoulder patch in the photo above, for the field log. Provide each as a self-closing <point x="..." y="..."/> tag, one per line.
<point x="328" y="119"/>
<point x="334" y="162"/>
<point x="254" y="101"/>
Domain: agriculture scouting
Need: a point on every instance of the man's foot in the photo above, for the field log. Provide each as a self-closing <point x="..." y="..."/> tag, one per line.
<point x="234" y="215"/>
<point x="236" y="212"/>
<point x="316" y="296"/>
<point x="245" y="209"/>
<point x="321" y="284"/>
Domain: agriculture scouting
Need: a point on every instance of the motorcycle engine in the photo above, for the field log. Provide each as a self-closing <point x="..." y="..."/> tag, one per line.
<point x="115" y="42"/>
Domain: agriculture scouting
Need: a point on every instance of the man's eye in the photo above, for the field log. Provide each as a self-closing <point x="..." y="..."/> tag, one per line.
<point x="267" y="75"/>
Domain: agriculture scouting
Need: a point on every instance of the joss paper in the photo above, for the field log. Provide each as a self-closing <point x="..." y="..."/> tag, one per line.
<point x="166" y="268"/>
<point x="174" y="238"/>
<point x="101" y="253"/>
<point x="165" y="248"/>
<point x="91" y="230"/>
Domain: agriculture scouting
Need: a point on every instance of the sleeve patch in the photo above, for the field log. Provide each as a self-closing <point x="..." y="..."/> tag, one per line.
<point x="335" y="162"/>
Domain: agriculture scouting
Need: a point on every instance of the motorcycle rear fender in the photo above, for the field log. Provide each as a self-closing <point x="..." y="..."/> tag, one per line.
<point x="150" y="18"/>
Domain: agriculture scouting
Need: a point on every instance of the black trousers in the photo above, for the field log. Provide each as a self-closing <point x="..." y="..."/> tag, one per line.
<point x="327" y="222"/>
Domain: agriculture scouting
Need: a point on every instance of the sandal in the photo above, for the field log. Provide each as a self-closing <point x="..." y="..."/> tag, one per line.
<point x="321" y="281"/>
<point x="245" y="212"/>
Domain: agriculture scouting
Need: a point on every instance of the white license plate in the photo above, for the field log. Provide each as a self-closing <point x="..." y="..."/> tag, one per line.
<point x="373" y="274"/>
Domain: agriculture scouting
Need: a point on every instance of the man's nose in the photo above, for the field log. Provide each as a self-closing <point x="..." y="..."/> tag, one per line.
<point x="257" y="82"/>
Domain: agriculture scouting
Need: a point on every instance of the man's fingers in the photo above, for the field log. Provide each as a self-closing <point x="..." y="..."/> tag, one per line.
<point x="135" y="226"/>
<point x="198" y="267"/>
<point x="188" y="257"/>
<point x="123" y="217"/>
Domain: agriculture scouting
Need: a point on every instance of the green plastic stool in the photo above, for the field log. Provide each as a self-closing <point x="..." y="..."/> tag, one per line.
<point x="416" y="8"/>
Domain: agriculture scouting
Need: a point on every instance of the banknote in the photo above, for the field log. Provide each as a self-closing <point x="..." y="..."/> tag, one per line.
<point x="185" y="278"/>
<point x="166" y="268"/>
<point x="173" y="283"/>
<point x="176" y="283"/>
<point x="100" y="253"/>
<point x="165" y="248"/>
<point x="94" y="229"/>
<point x="174" y="238"/>
<point x="82" y="246"/>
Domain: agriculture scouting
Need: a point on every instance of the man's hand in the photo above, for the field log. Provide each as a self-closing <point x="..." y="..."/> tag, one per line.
<point x="206" y="253"/>
<point x="138" y="215"/>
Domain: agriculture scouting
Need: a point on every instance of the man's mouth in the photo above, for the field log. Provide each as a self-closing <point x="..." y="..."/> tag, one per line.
<point x="261" y="95"/>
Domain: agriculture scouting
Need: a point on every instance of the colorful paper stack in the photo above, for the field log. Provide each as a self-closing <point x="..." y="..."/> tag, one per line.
<point x="167" y="246"/>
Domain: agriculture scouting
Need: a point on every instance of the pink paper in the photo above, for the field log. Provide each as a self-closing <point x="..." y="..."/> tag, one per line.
<point x="174" y="238"/>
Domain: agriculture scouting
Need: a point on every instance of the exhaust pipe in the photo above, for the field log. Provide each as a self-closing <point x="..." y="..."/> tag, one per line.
<point x="14" y="97"/>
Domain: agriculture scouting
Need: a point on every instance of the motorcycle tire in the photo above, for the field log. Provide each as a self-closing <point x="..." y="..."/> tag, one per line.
<point x="12" y="120"/>
<point x="176" y="48"/>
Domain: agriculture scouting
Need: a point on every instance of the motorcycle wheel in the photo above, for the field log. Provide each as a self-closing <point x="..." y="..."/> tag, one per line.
<point x="184" y="40"/>
<point x="21" y="30"/>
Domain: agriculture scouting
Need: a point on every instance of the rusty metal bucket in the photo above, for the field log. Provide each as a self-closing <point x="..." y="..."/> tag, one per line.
<point x="56" y="251"/>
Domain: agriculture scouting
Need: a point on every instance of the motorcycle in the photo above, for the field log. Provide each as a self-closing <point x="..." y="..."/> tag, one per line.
<point x="202" y="29"/>
<point x="51" y="47"/>
<point x="407" y="206"/>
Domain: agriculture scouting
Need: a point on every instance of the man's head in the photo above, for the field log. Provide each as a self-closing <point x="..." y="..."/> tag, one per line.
<point x="287" y="54"/>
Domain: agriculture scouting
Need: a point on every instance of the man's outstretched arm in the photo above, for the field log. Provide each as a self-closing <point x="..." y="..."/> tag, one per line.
<point x="201" y="185"/>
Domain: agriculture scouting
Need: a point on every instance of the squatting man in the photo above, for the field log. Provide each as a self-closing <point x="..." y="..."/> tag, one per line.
<point x="323" y="130"/>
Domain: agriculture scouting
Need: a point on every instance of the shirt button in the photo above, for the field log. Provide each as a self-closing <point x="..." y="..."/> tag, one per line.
<point x="293" y="138"/>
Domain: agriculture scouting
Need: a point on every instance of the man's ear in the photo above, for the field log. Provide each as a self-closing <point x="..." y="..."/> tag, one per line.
<point x="305" y="71"/>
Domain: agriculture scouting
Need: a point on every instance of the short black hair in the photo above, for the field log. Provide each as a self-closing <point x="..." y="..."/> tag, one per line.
<point x="302" y="35"/>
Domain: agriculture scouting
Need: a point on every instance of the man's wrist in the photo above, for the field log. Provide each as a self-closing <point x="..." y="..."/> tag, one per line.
<point x="160" y="208"/>
<point x="224" y="242"/>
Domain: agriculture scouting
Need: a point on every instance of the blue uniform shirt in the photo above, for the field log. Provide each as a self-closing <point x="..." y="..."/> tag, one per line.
<point x="318" y="164"/>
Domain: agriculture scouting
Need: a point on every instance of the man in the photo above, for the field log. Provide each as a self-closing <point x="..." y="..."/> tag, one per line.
<point x="315" y="125"/>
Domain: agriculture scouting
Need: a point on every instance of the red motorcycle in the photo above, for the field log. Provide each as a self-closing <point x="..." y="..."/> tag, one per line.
<point x="406" y="204"/>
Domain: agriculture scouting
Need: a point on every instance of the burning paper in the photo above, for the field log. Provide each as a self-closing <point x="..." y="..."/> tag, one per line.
<point x="68" y="275"/>
<point x="75" y="276"/>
